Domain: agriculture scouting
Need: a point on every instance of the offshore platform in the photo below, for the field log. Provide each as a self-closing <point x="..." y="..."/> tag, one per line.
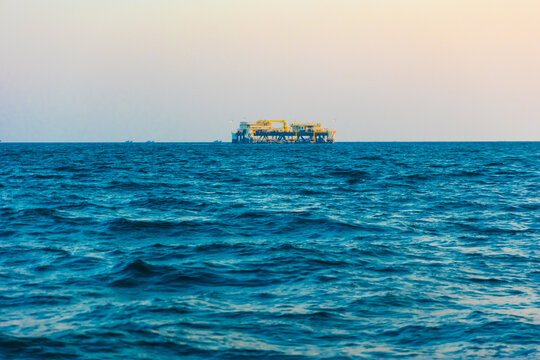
<point x="263" y="132"/>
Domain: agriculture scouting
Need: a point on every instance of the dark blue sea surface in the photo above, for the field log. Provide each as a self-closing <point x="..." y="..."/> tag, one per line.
<point x="217" y="251"/>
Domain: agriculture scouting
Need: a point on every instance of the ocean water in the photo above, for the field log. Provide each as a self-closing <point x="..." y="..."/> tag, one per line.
<point x="221" y="251"/>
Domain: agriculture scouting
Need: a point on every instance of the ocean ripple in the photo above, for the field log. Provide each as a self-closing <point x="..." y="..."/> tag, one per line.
<point x="214" y="251"/>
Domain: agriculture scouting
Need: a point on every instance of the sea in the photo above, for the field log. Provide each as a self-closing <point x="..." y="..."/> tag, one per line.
<point x="300" y="251"/>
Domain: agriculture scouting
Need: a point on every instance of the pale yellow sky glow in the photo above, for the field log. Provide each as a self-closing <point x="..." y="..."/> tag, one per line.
<point x="182" y="70"/>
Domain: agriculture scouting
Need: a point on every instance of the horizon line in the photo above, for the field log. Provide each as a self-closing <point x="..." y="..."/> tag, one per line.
<point x="229" y="142"/>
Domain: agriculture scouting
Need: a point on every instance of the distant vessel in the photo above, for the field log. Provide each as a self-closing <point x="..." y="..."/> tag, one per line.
<point x="263" y="132"/>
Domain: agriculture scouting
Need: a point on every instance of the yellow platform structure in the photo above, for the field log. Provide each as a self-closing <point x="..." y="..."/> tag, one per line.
<point x="264" y="132"/>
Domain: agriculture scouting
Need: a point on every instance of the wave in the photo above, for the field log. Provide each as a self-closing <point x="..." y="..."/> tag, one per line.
<point x="29" y="217"/>
<point x="308" y="192"/>
<point x="166" y="277"/>
<point x="38" y="212"/>
<point x="128" y="185"/>
<point x="48" y="176"/>
<point x="35" y="300"/>
<point x="139" y="273"/>
<point x="136" y="272"/>
<point x="224" y="246"/>
<point x="123" y="224"/>
<point x="167" y="203"/>
<point x="29" y="347"/>
<point x="351" y="176"/>
<point x="7" y="233"/>
<point x="71" y="168"/>
<point x="486" y="281"/>
<point x="467" y="173"/>
<point x="374" y="251"/>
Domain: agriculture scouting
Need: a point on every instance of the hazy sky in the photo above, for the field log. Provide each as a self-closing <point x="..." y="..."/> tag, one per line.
<point x="172" y="70"/>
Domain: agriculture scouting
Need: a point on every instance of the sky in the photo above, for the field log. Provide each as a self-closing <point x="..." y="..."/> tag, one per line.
<point x="189" y="70"/>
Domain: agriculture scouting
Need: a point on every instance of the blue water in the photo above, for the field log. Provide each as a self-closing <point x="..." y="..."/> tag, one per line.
<point x="216" y="251"/>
